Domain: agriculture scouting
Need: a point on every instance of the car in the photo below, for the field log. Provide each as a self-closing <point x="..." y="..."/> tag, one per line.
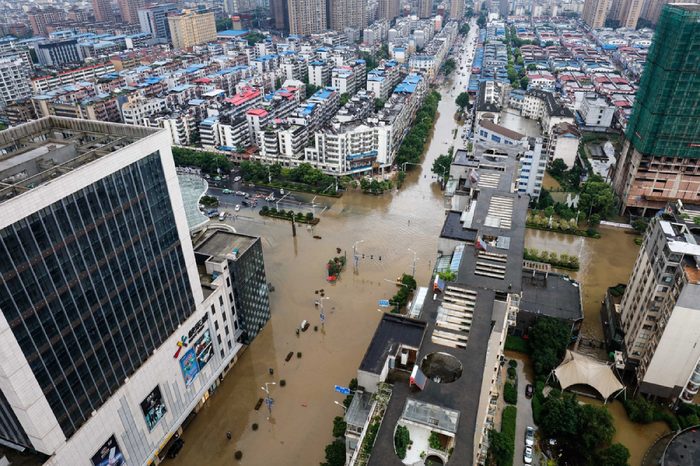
<point x="241" y="193"/>
<point x="529" y="436"/>
<point x="245" y="203"/>
<point x="527" y="456"/>
<point x="237" y="179"/>
<point x="528" y="391"/>
<point x="238" y="207"/>
<point x="227" y="191"/>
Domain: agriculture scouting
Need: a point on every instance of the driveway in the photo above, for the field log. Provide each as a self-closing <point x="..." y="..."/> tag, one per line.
<point x="524" y="417"/>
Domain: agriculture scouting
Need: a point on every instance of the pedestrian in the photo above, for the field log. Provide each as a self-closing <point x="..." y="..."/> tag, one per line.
<point x="228" y="435"/>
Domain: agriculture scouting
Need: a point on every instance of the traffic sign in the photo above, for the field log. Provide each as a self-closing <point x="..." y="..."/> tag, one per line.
<point x="384" y="303"/>
<point x="342" y="390"/>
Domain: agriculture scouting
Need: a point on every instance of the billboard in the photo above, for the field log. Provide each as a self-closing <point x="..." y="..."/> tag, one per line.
<point x="109" y="454"/>
<point x="153" y="408"/>
<point x="203" y="349"/>
<point x="189" y="366"/>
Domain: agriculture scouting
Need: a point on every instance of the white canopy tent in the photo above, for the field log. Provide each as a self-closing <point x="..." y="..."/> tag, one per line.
<point x="577" y="368"/>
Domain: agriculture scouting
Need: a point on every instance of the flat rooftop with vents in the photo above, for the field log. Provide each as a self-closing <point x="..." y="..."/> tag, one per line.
<point x="35" y="153"/>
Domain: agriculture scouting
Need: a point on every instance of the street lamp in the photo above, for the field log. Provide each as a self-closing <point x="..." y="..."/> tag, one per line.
<point x="414" y="262"/>
<point x="268" y="399"/>
<point x="355" y="258"/>
<point x="345" y="410"/>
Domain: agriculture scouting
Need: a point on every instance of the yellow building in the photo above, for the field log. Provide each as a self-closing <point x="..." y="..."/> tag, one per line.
<point x="190" y="28"/>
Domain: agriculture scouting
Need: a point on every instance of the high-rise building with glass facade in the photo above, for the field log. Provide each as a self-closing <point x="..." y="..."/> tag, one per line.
<point x="107" y="322"/>
<point x="659" y="160"/>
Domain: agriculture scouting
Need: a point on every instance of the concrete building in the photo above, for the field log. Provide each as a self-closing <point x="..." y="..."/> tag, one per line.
<point x="382" y="80"/>
<point x="190" y="28"/>
<point x="658" y="161"/>
<point x="129" y="10"/>
<point x="488" y="132"/>
<point x="14" y="80"/>
<point x="116" y="289"/>
<point x="103" y="11"/>
<point x="660" y="310"/>
<point x="533" y="164"/>
<point x="153" y="20"/>
<point x="425" y="8"/>
<point x="39" y="19"/>
<point x="651" y="10"/>
<point x="595" y="112"/>
<point x="544" y="107"/>
<point x="59" y="52"/>
<point x="563" y="143"/>
<point x="629" y="14"/>
<point x="347" y="14"/>
<point x="595" y="12"/>
<point x="388" y="9"/>
<point x="456" y="9"/>
<point x="307" y="17"/>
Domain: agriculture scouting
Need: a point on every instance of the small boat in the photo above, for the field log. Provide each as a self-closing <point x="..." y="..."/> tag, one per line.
<point x="304" y="325"/>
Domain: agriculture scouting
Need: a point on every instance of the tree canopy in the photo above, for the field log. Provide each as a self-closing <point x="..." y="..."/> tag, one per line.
<point x="441" y="166"/>
<point x="462" y="100"/>
<point x="549" y="339"/>
<point x="208" y="162"/>
<point x="596" y="197"/>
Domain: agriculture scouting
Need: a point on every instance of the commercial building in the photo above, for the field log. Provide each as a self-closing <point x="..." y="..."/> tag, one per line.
<point x="659" y="159"/>
<point x="307" y="17"/>
<point x="443" y="369"/>
<point x="115" y="328"/>
<point x="595" y="12"/>
<point x="153" y="20"/>
<point x="14" y="80"/>
<point x="190" y="28"/>
<point x="660" y="310"/>
<point x="59" y="52"/>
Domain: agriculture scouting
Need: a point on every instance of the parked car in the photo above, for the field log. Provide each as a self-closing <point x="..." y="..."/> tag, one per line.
<point x="227" y="191"/>
<point x="529" y="436"/>
<point x="529" y="390"/>
<point x="237" y="179"/>
<point x="238" y="207"/>
<point x="527" y="456"/>
<point x="222" y="216"/>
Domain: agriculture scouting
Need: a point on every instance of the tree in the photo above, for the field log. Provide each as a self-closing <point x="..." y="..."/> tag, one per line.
<point x="557" y="168"/>
<point x="401" y="440"/>
<point x="500" y="449"/>
<point x="339" y="426"/>
<point x="344" y="98"/>
<point x="596" y="197"/>
<point x="524" y="81"/>
<point x="378" y="104"/>
<point x="531" y="67"/>
<point x="462" y="101"/>
<point x="464" y="29"/>
<point x="441" y="166"/>
<point x="449" y="66"/>
<point x="335" y="453"/>
<point x="311" y="89"/>
<point x="549" y="339"/>
<point x="614" y="455"/>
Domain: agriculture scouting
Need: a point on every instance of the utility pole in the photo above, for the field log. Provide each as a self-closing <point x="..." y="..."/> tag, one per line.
<point x="355" y="257"/>
<point x="268" y="399"/>
<point x="294" y="228"/>
<point x="413" y="274"/>
<point x="323" y="313"/>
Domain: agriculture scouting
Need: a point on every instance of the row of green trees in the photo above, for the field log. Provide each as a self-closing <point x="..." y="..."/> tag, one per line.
<point x="305" y="174"/>
<point x="502" y="444"/>
<point x="413" y="145"/>
<point x="400" y="299"/>
<point x="209" y="162"/>
<point x="300" y="217"/>
<point x="564" y="260"/>
<point x="374" y="186"/>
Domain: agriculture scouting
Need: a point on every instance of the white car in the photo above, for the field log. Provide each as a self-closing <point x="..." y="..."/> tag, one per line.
<point x="529" y="436"/>
<point x="237" y="179"/>
<point x="527" y="456"/>
<point x="238" y="207"/>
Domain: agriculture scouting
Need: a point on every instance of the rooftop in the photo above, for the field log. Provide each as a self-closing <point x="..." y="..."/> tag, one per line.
<point x="551" y="294"/>
<point x="224" y="244"/>
<point x="35" y="153"/>
<point x="392" y="330"/>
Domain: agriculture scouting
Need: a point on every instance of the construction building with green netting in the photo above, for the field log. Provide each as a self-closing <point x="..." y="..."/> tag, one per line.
<point x="660" y="159"/>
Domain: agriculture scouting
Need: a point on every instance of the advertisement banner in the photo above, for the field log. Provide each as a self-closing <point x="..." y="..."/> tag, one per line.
<point x="189" y="366"/>
<point x="153" y="408"/>
<point x="109" y="454"/>
<point x="204" y="349"/>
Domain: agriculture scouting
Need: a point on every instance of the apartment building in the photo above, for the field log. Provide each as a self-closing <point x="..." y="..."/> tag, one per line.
<point x="190" y="28"/>
<point x="660" y="308"/>
<point x="382" y="80"/>
<point x="14" y="80"/>
<point x="307" y="17"/>
<point x="595" y="12"/>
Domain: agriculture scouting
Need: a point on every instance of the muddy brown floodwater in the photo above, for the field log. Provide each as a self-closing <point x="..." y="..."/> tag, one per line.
<point x="604" y="262"/>
<point x="303" y="411"/>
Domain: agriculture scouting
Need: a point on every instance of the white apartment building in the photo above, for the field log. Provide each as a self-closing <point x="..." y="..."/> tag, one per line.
<point x="542" y="106"/>
<point x="319" y="72"/>
<point x="14" y="80"/>
<point x="563" y="143"/>
<point x="138" y="109"/>
<point x="660" y="310"/>
<point x="596" y="112"/>
<point x="382" y="80"/>
<point x="533" y="164"/>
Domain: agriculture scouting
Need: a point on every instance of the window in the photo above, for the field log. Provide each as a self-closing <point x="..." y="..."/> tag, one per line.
<point x="218" y="338"/>
<point x="222" y="353"/>
<point x="216" y="325"/>
<point x="226" y="329"/>
<point x="228" y="282"/>
<point x="229" y="344"/>
<point x="221" y="301"/>
<point x="213" y="310"/>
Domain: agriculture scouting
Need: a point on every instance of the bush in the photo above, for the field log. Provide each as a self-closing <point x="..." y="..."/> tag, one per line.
<point x="401" y="441"/>
<point x="299" y="354"/>
<point x="238" y="455"/>
<point x="264" y="209"/>
<point x="508" y="429"/>
<point x="255" y="426"/>
<point x="510" y="394"/>
<point x="512" y="363"/>
<point x="434" y="441"/>
<point x="518" y="344"/>
<point x="643" y="411"/>
<point x="511" y="372"/>
<point x="309" y="216"/>
<point x="283" y="383"/>
<point x="339" y="426"/>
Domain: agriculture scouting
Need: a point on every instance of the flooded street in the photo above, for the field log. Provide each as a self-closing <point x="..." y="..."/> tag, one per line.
<point x="605" y="262"/>
<point x="385" y="226"/>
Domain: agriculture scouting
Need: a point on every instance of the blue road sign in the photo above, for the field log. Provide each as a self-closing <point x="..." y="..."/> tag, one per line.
<point x="384" y="303"/>
<point x="323" y="317"/>
<point x="342" y="390"/>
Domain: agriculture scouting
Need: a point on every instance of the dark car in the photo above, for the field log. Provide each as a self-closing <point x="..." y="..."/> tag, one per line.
<point x="245" y="203"/>
<point x="528" y="391"/>
<point x="175" y="448"/>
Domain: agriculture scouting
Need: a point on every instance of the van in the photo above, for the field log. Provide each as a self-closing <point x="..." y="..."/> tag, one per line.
<point x="222" y="216"/>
